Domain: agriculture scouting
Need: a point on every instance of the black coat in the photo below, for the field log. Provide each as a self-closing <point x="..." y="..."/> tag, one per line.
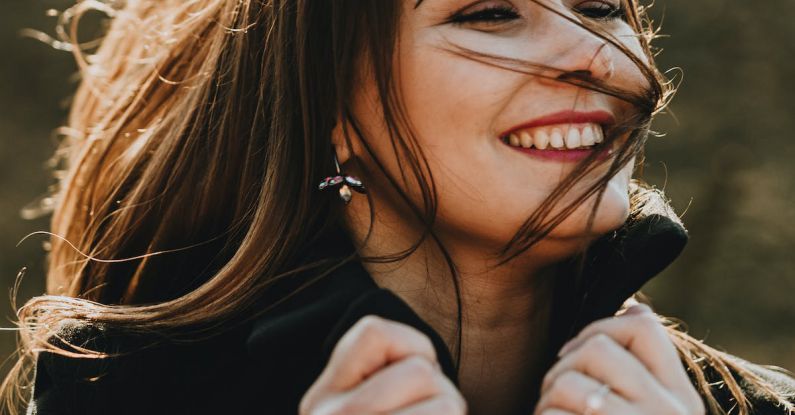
<point x="265" y="365"/>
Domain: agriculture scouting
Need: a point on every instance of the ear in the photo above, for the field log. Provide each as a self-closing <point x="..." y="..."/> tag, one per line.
<point x="338" y="141"/>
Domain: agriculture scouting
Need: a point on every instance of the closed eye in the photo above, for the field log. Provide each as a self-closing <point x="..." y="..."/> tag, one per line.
<point x="601" y="10"/>
<point x="493" y="14"/>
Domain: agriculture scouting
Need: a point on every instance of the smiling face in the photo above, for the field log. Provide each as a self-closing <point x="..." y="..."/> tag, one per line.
<point x="497" y="141"/>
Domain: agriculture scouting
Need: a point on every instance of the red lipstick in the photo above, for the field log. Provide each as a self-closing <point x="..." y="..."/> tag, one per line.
<point x="602" y="118"/>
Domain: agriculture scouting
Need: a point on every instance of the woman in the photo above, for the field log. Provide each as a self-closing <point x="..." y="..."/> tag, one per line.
<point x="390" y="206"/>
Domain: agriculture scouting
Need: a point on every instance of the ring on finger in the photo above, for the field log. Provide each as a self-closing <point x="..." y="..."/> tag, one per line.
<point x="596" y="400"/>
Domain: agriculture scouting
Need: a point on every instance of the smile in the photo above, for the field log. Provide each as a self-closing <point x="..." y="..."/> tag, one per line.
<point x="558" y="137"/>
<point x="562" y="136"/>
<point x="560" y="142"/>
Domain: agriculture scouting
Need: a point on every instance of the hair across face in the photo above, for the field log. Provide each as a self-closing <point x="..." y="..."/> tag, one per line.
<point x="465" y="74"/>
<point x="200" y="129"/>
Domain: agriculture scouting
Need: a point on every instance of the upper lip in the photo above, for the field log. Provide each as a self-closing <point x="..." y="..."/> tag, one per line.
<point x="602" y="118"/>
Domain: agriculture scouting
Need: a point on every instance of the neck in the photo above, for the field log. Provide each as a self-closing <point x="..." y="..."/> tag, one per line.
<point x="504" y="318"/>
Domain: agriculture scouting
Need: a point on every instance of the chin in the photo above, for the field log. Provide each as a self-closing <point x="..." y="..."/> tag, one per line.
<point x="572" y="236"/>
<point x="612" y="212"/>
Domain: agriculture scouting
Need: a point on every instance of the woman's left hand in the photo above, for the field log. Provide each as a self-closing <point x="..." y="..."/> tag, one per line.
<point x="633" y="356"/>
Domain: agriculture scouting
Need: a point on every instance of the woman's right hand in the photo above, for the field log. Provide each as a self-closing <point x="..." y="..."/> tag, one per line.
<point x="381" y="366"/>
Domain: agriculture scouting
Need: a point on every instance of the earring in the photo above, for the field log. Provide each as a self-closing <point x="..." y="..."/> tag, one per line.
<point x="347" y="182"/>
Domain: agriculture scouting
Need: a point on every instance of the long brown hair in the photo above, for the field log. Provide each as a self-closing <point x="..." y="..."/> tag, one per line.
<point x="188" y="166"/>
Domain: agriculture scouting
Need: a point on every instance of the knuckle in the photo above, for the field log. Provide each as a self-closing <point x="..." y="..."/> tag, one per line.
<point x="370" y="331"/>
<point x="340" y="406"/>
<point x="562" y="387"/>
<point x="647" y="322"/>
<point x="567" y="380"/>
<point x="368" y="334"/>
<point x="419" y="368"/>
<point x="370" y="326"/>
<point x="599" y="344"/>
<point x="426" y="343"/>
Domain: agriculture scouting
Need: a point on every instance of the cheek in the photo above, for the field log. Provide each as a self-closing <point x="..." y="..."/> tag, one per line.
<point x="486" y="190"/>
<point x="452" y="105"/>
<point x="631" y="76"/>
<point x="448" y="99"/>
<point x="614" y="209"/>
<point x="611" y="213"/>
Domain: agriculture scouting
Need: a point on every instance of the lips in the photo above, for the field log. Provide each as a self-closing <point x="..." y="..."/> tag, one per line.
<point x="558" y="137"/>
<point x="565" y="135"/>
<point x="602" y="118"/>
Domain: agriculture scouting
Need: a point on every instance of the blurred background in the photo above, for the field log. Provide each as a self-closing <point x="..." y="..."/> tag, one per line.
<point x="726" y="161"/>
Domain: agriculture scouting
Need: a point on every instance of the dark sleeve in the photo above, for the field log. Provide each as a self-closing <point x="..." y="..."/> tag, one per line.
<point x="59" y="389"/>
<point x="147" y="376"/>
<point x="45" y="399"/>
<point x="85" y="386"/>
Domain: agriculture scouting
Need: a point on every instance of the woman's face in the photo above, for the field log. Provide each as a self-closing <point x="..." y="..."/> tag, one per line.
<point x="463" y="111"/>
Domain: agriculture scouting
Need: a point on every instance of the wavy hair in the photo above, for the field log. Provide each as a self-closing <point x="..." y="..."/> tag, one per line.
<point x="188" y="165"/>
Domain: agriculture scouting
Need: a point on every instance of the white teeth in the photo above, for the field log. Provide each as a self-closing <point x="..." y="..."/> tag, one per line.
<point x="556" y="139"/>
<point x="573" y="138"/>
<point x="514" y="140"/>
<point x="587" y="137"/>
<point x="541" y="140"/>
<point x="526" y="139"/>
<point x="563" y="136"/>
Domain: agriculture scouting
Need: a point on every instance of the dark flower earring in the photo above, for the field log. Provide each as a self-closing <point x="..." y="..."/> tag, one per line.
<point x="344" y="181"/>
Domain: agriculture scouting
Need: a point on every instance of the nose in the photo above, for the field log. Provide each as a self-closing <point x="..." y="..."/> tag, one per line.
<point x="581" y="53"/>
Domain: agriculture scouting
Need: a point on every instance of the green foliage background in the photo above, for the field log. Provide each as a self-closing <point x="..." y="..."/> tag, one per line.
<point x="726" y="162"/>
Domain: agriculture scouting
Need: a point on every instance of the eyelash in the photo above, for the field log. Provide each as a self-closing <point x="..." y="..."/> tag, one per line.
<point x="491" y="14"/>
<point x="605" y="11"/>
<point x="498" y="14"/>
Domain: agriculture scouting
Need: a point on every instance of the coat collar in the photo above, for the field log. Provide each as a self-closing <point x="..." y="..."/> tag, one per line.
<point x="304" y="329"/>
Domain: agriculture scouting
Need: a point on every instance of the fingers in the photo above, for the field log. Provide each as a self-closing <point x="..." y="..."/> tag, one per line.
<point x="442" y="405"/>
<point x="411" y="383"/>
<point x="601" y="358"/>
<point x="369" y="345"/>
<point x="570" y="392"/>
<point x="639" y="331"/>
<point x="403" y="383"/>
<point x="381" y="366"/>
<point x="554" y="411"/>
<point x="634" y="354"/>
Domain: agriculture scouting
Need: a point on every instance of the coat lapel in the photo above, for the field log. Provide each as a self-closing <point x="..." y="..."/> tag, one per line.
<point x="293" y="341"/>
<point x="615" y="268"/>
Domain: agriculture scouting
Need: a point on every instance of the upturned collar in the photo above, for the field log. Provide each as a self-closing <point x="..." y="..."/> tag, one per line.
<point x="615" y="267"/>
